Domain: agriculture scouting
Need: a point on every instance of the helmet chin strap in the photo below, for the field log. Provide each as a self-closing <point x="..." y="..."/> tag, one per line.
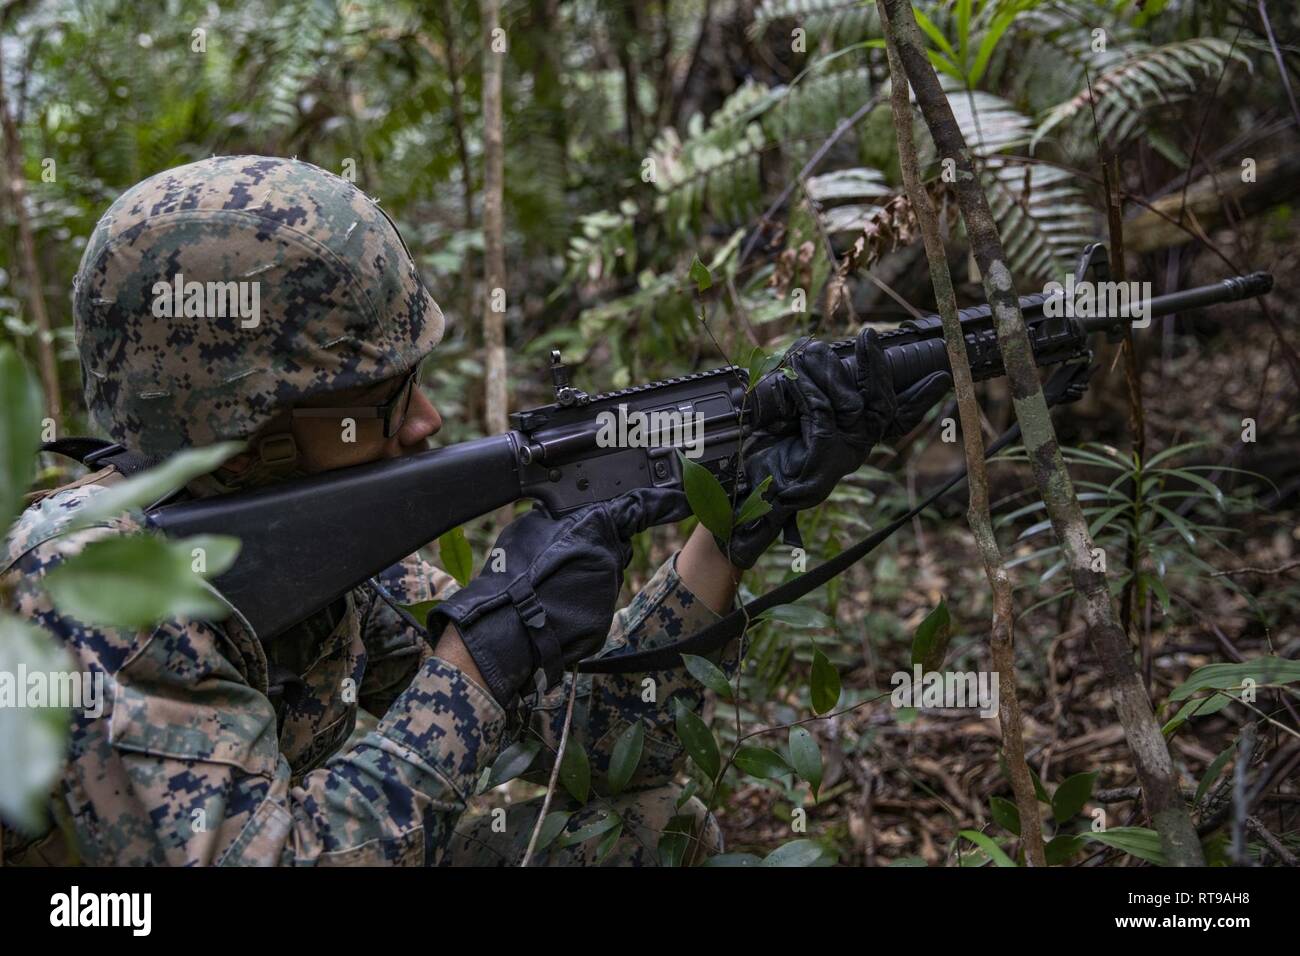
<point x="273" y="458"/>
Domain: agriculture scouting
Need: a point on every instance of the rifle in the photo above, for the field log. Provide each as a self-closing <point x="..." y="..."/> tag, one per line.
<point x="309" y="540"/>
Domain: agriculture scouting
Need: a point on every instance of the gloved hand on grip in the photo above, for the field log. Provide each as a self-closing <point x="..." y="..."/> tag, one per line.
<point x="837" y="417"/>
<point x="554" y="599"/>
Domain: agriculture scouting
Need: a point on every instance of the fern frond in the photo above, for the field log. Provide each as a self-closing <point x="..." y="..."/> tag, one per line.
<point x="1152" y="77"/>
<point x="834" y="20"/>
<point x="1042" y="214"/>
<point x="802" y="115"/>
<point x="1044" y="223"/>
<point x="715" y="169"/>
<point x="604" y="240"/>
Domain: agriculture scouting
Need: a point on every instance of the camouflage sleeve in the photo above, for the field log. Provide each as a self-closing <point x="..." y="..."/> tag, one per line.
<point x="662" y="612"/>
<point x="394" y="647"/>
<point x="181" y="764"/>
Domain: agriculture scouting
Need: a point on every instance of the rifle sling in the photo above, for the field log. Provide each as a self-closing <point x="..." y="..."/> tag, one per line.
<point x="1065" y="385"/>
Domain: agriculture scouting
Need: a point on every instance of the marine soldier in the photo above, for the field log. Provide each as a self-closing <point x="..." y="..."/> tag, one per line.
<point x="359" y="736"/>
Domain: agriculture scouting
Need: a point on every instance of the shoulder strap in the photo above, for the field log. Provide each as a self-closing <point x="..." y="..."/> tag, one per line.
<point x="100" y="453"/>
<point x="1066" y="385"/>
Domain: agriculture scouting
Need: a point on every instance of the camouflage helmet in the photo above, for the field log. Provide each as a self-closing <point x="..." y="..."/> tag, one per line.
<point x="212" y="296"/>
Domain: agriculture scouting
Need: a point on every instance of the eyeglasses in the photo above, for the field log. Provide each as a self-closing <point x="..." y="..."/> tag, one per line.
<point x="393" y="412"/>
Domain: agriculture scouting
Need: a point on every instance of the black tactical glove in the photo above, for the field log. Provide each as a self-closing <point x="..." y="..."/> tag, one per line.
<point x="829" y="421"/>
<point x="554" y="600"/>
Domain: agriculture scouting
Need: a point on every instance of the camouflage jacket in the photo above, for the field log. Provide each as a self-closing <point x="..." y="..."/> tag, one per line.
<point x="191" y="763"/>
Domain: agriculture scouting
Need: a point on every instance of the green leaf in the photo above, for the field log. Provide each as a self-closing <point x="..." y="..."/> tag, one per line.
<point x="625" y="757"/>
<point x="1062" y="847"/>
<point x="707" y="498"/>
<point x="930" y="644"/>
<point x="1212" y="772"/>
<point x="795" y="853"/>
<point x="698" y="740"/>
<point x="755" y="505"/>
<point x="1168" y="453"/>
<point x="514" y="760"/>
<point x="456" y="556"/>
<point x="825" y="684"/>
<point x="142" y="490"/>
<point x="1135" y="841"/>
<point x="35" y="738"/>
<point x="139" y="580"/>
<point x="608" y="842"/>
<point x="708" y="674"/>
<point x="733" y="859"/>
<point x="1184" y="529"/>
<point x="583" y="834"/>
<point x="1262" y="670"/>
<point x="761" y="762"/>
<point x="995" y="852"/>
<point x="806" y="756"/>
<point x="552" y="827"/>
<point x="676" y="840"/>
<point x="20" y="431"/>
<point x="208" y="554"/>
<point x="575" y="770"/>
<point x="1071" y="795"/>
<point x="935" y="34"/>
<point x="799" y="615"/>
<point x="420" y="609"/>
<point x="1199" y="707"/>
<point x="989" y="43"/>
<point x="1039" y="790"/>
<point x="700" y="275"/>
<point x="1158" y="588"/>
<point x="759" y="364"/>
<point x="1005" y="814"/>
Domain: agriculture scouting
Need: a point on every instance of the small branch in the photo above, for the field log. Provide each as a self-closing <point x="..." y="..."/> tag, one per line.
<point x="555" y="770"/>
<point x="1273" y="843"/>
<point x="977" y="514"/>
<point x="1240" y="794"/>
<point x="1268" y="572"/>
<point x="1281" y="64"/>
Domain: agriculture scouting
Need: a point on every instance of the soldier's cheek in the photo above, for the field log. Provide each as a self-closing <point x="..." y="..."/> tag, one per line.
<point x="324" y="445"/>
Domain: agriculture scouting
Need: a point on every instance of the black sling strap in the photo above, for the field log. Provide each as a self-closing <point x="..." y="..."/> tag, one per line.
<point x="1066" y="385"/>
<point x="98" y="453"/>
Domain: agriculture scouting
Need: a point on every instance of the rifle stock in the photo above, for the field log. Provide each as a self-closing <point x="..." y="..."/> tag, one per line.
<point x="306" y="542"/>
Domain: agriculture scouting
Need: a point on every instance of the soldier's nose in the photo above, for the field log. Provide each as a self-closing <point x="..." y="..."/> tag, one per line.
<point x="422" y="421"/>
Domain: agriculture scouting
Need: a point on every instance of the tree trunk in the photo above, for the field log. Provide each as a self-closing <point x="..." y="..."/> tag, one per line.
<point x="494" y="284"/>
<point x="13" y="162"/>
<point x="1154" y="766"/>
<point x="977" y="513"/>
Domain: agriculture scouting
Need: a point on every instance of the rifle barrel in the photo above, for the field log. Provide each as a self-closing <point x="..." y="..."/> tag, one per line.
<point x="1231" y="289"/>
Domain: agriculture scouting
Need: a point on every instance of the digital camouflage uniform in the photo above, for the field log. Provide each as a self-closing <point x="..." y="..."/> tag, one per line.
<point x="189" y="737"/>
<point x="345" y="741"/>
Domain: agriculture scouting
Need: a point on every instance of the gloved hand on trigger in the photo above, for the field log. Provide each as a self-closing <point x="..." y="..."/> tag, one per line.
<point x="831" y="421"/>
<point x="554" y="599"/>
